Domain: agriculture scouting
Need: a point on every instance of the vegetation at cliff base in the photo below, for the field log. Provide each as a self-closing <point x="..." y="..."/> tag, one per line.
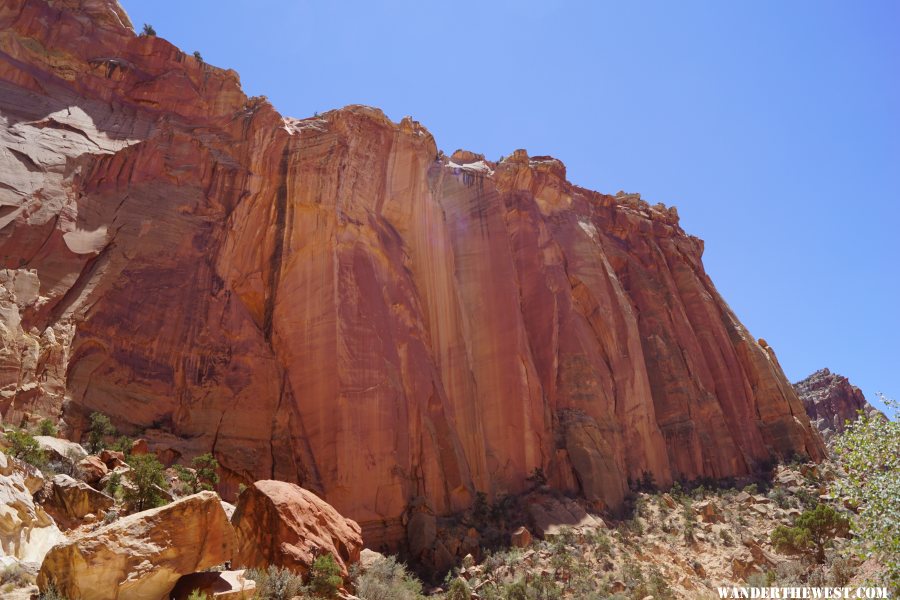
<point x="868" y="451"/>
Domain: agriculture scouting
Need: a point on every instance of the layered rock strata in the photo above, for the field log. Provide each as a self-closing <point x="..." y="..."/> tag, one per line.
<point x="831" y="401"/>
<point x="332" y="301"/>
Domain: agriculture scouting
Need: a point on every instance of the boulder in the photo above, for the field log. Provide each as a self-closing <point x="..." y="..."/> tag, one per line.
<point x="141" y="556"/>
<point x="91" y="470"/>
<point x="521" y="538"/>
<point x="70" y="500"/>
<point x="27" y="532"/>
<point x="708" y="511"/>
<point x="58" y="449"/>
<point x="31" y="476"/>
<point x="217" y="585"/>
<point x="113" y="459"/>
<point x="282" y="524"/>
<point x="139" y="447"/>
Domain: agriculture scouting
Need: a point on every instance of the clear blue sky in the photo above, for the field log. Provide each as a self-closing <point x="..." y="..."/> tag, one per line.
<point x="773" y="126"/>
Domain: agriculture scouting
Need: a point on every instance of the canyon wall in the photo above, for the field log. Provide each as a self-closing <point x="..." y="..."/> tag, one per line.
<point x="334" y="302"/>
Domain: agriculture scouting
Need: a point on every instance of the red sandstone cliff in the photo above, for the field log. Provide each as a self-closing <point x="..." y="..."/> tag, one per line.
<point x="331" y="301"/>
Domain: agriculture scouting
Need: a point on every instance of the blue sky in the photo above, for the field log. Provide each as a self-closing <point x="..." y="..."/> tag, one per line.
<point x="773" y="126"/>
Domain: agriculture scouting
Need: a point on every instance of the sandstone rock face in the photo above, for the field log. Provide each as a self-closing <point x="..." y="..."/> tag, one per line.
<point x="26" y="532"/>
<point x="330" y="301"/>
<point x="831" y="400"/>
<point x="280" y="523"/>
<point x="141" y="556"/>
<point x="70" y="500"/>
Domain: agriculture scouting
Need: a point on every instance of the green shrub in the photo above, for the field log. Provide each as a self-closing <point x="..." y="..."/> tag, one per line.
<point x="123" y="444"/>
<point x="149" y="480"/>
<point x="386" y="579"/>
<point x="459" y="590"/>
<point x="47" y="427"/>
<point x="148" y="30"/>
<point x="812" y="532"/>
<point x="276" y="583"/>
<point x="113" y="485"/>
<point x="207" y="468"/>
<point x="23" y="446"/>
<point x="198" y="56"/>
<point x="325" y="577"/>
<point x="100" y="429"/>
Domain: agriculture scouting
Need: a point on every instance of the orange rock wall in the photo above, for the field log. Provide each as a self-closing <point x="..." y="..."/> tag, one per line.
<point x="332" y="302"/>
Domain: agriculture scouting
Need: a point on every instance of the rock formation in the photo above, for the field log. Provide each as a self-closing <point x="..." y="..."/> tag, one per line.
<point x="70" y="500"/>
<point x="141" y="556"/>
<point x="333" y="302"/>
<point x="26" y="532"/>
<point x="831" y="400"/>
<point x="280" y="523"/>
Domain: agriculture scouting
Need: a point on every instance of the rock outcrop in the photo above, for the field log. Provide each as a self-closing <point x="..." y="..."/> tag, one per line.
<point x="831" y="400"/>
<point x="333" y="302"/>
<point x="141" y="556"/>
<point x="26" y="532"/>
<point x="70" y="500"/>
<point x="279" y="523"/>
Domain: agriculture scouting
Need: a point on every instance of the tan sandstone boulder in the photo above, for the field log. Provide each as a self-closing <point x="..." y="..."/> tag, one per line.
<point x="70" y="500"/>
<point x="279" y="523"/>
<point x="142" y="556"/>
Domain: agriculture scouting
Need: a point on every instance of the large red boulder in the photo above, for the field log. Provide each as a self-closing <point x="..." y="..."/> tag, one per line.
<point x="279" y="523"/>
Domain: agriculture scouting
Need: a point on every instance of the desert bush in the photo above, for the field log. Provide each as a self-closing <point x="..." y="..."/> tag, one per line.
<point x="148" y="30"/>
<point x="47" y="427"/>
<point x="51" y="593"/>
<point x="15" y="576"/>
<point x="459" y="590"/>
<point x="386" y="579"/>
<point x="276" y="583"/>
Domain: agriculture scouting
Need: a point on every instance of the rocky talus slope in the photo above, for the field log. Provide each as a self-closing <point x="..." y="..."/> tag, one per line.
<point x="334" y="302"/>
<point x="831" y="400"/>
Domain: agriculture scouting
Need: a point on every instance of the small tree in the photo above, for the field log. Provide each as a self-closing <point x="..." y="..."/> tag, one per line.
<point x="148" y="30"/>
<point x="148" y="478"/>
<point x="47" y="427"/>
<point x="869" y="452"/>
<point x="325" y="577"/>
<point x="23" y="446"/>
<point x="100" y="429"/>
<point x="198" y="56"/>
<point x="813" y="531"/>
<point x="207" y="468"/>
